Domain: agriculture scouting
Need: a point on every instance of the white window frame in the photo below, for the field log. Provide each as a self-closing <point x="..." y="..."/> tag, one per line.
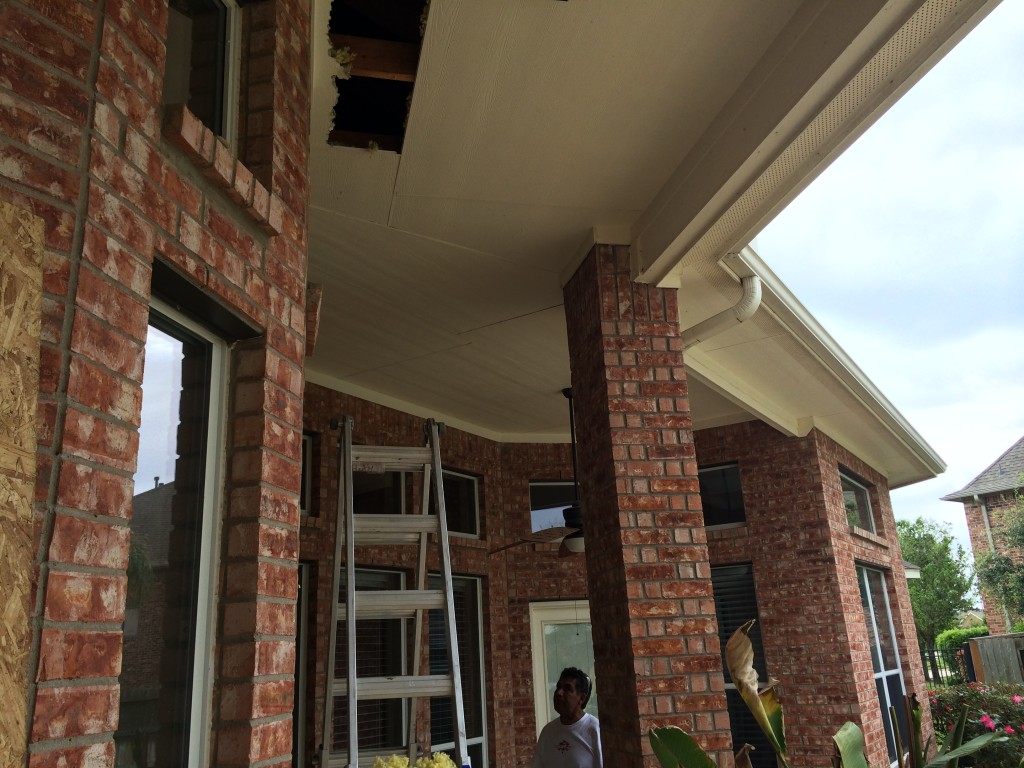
<point x="445" y="472"/>
<point x="541" y="615"/>
<point x="883" y="673"/>
<point x="213" y="497"/>
<point x="482" y="739"/>
<point x="232" y="74"/>
<point x="861" y="490"/>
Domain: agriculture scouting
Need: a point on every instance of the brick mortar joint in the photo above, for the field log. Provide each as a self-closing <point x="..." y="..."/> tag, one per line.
<point x="187" y="132"/>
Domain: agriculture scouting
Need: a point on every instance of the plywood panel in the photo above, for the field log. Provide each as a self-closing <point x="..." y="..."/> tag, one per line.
<point x="21" y="252"/>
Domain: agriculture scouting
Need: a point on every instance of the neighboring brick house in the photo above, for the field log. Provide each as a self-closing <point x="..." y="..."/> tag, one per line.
<point x="987" y="500"/>
<point x="212" y="244"/>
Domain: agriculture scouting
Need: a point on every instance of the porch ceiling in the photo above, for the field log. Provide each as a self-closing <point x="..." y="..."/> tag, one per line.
<point x="538" y="127"/>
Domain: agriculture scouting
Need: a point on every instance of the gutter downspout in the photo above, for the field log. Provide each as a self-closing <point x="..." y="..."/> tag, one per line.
<point x="991" y="543"/>
<point x="743" y="310"/>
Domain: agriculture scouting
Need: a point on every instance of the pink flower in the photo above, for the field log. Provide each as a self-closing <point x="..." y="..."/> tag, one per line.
<point x="988" y="722"/>
<point x="1009" y="731"/>
<point x="1017" y="699"/>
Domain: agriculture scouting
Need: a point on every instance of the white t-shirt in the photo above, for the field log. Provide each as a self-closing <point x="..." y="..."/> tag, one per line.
<point x="569" y="746"/>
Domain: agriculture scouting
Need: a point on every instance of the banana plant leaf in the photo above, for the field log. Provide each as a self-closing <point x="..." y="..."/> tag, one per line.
<point x="675" y="748"/>
<point x="764" y="704"/>
<point x="850" y="742"/>
<point x="969" y="748"/>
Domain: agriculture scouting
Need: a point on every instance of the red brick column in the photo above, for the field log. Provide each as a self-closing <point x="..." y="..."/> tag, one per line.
<point x="655" y="633"/>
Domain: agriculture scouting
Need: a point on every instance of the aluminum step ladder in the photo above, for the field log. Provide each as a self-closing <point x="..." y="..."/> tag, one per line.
<point x="389" y="529"/>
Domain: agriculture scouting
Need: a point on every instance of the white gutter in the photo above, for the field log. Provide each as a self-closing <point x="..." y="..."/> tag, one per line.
<point x="743" y="310"/>
<point x="787" y="309"/>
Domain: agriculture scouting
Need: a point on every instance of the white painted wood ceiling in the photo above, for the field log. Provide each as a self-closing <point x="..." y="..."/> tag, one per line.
<point x="538" y="126"/>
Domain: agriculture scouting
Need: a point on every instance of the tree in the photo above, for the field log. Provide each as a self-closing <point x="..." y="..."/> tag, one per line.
<point x="1001" y="573"/>
<point x="940" y="594"/>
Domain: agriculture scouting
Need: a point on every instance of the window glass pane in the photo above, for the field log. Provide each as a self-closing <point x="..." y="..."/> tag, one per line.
<point x="378" y="493"/>
<point x="735" y="605"/>
<point x="721" y="495"/>
<point x="381" y="644"/>
<point x="857" y="502"/>
<point x="547" y="502"/>
<point x="197" y="55"/>
<point x="884" y="656"/>
<point x="163" y="623"/>
<point x="460" y="503"/>
<point x="467" y="628"/>
<point x="745" y="730"/>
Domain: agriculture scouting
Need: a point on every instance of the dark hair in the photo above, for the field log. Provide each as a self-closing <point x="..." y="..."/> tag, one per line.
<point x="583" y="685"/>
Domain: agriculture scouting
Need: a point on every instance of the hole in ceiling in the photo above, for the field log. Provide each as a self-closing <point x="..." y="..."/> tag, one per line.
<point x="382" y="38"/>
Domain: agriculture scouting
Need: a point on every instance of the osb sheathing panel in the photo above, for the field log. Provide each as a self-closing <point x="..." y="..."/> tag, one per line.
<point x="21" y="253"/>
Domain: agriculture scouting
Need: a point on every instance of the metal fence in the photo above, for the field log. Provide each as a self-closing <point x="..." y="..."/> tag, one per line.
<point x="946" y="666"/>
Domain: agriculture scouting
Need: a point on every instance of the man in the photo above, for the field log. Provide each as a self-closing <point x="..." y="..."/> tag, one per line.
<point x="573" y="739"/>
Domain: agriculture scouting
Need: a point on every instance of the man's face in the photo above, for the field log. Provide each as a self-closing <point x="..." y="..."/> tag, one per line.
<point x="567" y="700"/>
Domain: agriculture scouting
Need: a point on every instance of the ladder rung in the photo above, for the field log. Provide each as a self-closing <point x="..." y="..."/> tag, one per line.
<point x="393" y="529"/>
<point x="393" y="604"/>
<point x="388" y="458"/>
<point x="398" y="687"/>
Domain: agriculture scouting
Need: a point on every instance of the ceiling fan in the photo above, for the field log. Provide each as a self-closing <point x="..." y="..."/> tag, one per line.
<point x="571" y="534"/>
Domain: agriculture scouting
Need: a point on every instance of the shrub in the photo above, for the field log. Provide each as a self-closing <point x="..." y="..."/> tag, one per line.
<point x="995" y="707"/>
<point x="1018" y="627"/>
<point x="954" y="638"/>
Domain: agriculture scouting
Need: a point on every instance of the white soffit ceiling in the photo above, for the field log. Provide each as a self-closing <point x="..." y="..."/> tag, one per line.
<point x="535" y="123"/>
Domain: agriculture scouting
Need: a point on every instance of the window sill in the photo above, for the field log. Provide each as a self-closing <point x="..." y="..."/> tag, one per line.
<point x="867" y="535"/>
<point x="214" y="158"/>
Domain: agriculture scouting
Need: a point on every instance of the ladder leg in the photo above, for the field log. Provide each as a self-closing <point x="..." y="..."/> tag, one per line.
<point x="458" y="716"/>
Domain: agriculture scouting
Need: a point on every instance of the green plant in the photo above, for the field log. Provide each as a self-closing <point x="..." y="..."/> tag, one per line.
<point x="999" y="709"/>
<point x="952" y="639"/>
<point x="675" y="748"/>
<point x="1018" y="627"/>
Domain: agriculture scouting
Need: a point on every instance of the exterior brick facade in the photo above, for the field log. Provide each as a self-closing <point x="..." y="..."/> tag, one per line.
<point x="986" y="517"/>
<point x="130" y="200"/>
<point x="140" y="203"/>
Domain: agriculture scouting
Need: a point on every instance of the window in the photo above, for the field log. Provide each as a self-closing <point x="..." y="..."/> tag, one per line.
<point x="378" y="493"/>
<point x="201" y="70"/>
<point x="461" y="504"/>
<point x="469" y="632"/>
<point x="857" y="501"/>
<point x="382" y="652"/>
<point x="721" y="495"/>
<point x="383" y="724"/>
<point x="735" y="605"/>
<point x="885" y="660"/>
<point x="560" y="636"/>
<point x="310" y="455"/>
<point x="165" y="677"/>
<point x="548" y="499"/>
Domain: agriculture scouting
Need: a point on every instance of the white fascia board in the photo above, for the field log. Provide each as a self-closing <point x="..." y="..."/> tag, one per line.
<point x="879" y="65"/>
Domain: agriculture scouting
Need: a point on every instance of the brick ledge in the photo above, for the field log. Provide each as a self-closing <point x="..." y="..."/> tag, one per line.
<point x="214" y="158"/>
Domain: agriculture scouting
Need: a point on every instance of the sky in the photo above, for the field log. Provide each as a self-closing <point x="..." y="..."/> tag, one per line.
<point x="909" y="250"/>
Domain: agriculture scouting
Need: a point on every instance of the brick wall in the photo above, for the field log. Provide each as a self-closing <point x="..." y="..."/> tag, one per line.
<point x="647" y="553"/>
<point x="997" y="507"/>
<point x="121" y="184"/>
<point x="804" y="558"/>
<point x="796" y="537"/>
<point x="511" y="578"/>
